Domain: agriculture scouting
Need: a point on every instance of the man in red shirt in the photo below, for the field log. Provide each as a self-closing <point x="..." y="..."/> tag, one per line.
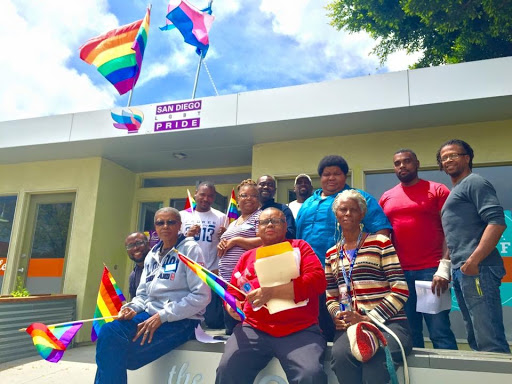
<point x="414" y="209"/>
<point x="292" y="336"/>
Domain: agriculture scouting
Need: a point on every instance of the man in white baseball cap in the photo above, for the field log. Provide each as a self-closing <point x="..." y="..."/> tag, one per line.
<point x="303" y="189"/>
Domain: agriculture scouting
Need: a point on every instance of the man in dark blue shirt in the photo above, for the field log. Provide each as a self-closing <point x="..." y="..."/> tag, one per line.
<point x="137" y="247"/>
<point x="267" y="190"/>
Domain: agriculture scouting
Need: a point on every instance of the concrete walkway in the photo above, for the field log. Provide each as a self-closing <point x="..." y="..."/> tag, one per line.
<point x="76" y="367"/>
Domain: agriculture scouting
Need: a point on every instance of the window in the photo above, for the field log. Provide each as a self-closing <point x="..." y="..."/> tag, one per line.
<point x="7" y="207"/>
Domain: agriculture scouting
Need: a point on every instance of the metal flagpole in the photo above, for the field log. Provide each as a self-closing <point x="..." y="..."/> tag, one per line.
<point x="197" y="75"/>
<point x="148" y="8"/>
<point x="130" y="97"/>
<point x="200" y="61"/>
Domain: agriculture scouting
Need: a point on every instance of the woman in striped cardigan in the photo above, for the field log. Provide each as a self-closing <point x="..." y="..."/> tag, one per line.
<point x="365" y="282"/>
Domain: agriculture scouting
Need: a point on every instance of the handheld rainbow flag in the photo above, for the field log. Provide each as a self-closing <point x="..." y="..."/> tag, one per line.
<point x="118" y="53"/>
<point x="232" y="212"/>
<point x="109" y="302"/>
<point x="51" y="342"/>
<point x="193" y="24"/>
<point x="218" y="285"/>
<point x="190" y="203"/>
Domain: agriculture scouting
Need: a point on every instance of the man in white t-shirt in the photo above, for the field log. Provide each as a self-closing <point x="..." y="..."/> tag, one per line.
<point x="303" y="189"/>
<point x="205" y="225"/>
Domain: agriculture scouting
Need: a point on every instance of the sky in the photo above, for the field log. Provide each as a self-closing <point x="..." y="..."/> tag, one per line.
<point x="256" y="44"/>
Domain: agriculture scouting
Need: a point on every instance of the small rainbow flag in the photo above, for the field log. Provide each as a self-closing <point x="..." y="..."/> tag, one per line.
<point x="232" y="212"/>
<point x="118" y="53"/>
<point x="51" y="342"/>
<point x="190" y="203"/>
<point x="218" y="285"/>
<point x="109" y="302"/>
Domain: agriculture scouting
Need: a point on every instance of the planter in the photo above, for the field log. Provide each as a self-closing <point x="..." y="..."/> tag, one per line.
<point x="20" y="312"/>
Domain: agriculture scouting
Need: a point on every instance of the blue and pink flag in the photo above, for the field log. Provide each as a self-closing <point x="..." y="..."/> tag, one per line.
<point x="170" y="26"/>
<point x="193" y="24"/>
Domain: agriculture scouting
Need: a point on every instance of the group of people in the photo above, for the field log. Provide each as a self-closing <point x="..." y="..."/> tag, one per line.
<point x="358" y="261"/>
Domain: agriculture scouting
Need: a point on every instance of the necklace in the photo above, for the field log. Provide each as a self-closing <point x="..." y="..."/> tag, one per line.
<point x="346" y="292"/>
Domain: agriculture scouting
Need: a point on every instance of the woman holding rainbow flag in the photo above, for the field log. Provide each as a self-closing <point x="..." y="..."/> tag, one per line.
<point x="239" y="237"/>
<point x="169" y="304"/>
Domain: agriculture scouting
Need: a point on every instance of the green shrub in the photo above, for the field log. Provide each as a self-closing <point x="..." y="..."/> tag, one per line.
<point x="20" y="290"/>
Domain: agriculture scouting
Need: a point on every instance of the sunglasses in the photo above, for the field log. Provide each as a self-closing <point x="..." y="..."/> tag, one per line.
<point x="170" y="223"/>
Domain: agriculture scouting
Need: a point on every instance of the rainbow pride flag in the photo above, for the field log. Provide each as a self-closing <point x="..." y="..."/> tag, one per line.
<point x="190" y="203"/>
<point x="218" y="285"/>
<point x="193" y="24"/>
<point x="118" y="53"/>
<point x="232" y="212"/>
<point x="51" y="342"/>
<point x="109" y="302"/>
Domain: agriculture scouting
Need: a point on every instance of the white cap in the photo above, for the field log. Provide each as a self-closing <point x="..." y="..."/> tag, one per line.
<point x="302" y="175"/>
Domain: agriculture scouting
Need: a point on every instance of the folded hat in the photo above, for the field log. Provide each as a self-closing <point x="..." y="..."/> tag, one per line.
<point x="364" y="340"/>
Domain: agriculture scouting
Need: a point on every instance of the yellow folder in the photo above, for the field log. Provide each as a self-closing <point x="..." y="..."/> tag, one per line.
<point x="278" y="264"/>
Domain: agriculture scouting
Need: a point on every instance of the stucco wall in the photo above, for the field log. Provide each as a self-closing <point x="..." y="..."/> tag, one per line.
<point x="491" y="142"/>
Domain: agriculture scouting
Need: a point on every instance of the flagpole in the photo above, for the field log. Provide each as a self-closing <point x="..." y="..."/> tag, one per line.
<point x="148" y="8"/>
<point x="197" y="75"/>
<point x="210" y="272"/>
<point x="74" y="322"/>
<point x="130" y="97"/>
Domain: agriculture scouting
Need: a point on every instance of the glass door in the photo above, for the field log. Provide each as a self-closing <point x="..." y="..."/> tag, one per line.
<point x="45" y="242"/>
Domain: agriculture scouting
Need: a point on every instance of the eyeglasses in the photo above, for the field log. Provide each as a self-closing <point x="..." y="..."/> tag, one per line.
<point x="452" y="156"/>
<point x="273" y="221"/>
<point x="136" y="244"/>
<point x="245" y="196"/>
<point x="161" y="223"/>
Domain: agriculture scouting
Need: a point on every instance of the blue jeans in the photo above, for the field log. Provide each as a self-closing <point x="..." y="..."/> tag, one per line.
<point x="116" y="352"/>
<point x="438" y="325"/>
<point x="480" y="303"/>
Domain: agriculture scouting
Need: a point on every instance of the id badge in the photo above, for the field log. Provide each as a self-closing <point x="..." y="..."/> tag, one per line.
<point x="170" y="267"/>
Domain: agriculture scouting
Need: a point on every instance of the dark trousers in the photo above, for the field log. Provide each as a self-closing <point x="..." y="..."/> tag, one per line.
<point x="348" y="370"/>
<point x="438" y="325"/>
<point x="214" y="315"/>
<point x="116" y="352"/>
<point x="249" y="350"/>
<point x="325" y="320"/>
<point x="229" y="322"/>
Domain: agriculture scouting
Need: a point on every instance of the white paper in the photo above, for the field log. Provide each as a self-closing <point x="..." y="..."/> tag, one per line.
<point x="277" y="270"/>
<point x="203" y="337"/>
<point x="428" y="302"/>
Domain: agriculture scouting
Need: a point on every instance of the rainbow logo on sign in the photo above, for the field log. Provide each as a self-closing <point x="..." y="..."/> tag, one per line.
<point x="129" y="119"/>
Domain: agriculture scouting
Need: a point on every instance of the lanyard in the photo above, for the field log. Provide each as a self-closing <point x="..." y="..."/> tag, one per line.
<point x="348" y="277"/>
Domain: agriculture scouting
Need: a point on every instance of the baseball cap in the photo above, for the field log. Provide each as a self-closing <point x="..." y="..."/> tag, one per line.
<point x="302" y="175"/>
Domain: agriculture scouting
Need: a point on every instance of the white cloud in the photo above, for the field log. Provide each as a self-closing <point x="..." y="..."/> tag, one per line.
<point x="264" y="44"/>
<point x="38" y="39"/>
<point x="345" y="53"/>
<point x="400" y="60"/>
